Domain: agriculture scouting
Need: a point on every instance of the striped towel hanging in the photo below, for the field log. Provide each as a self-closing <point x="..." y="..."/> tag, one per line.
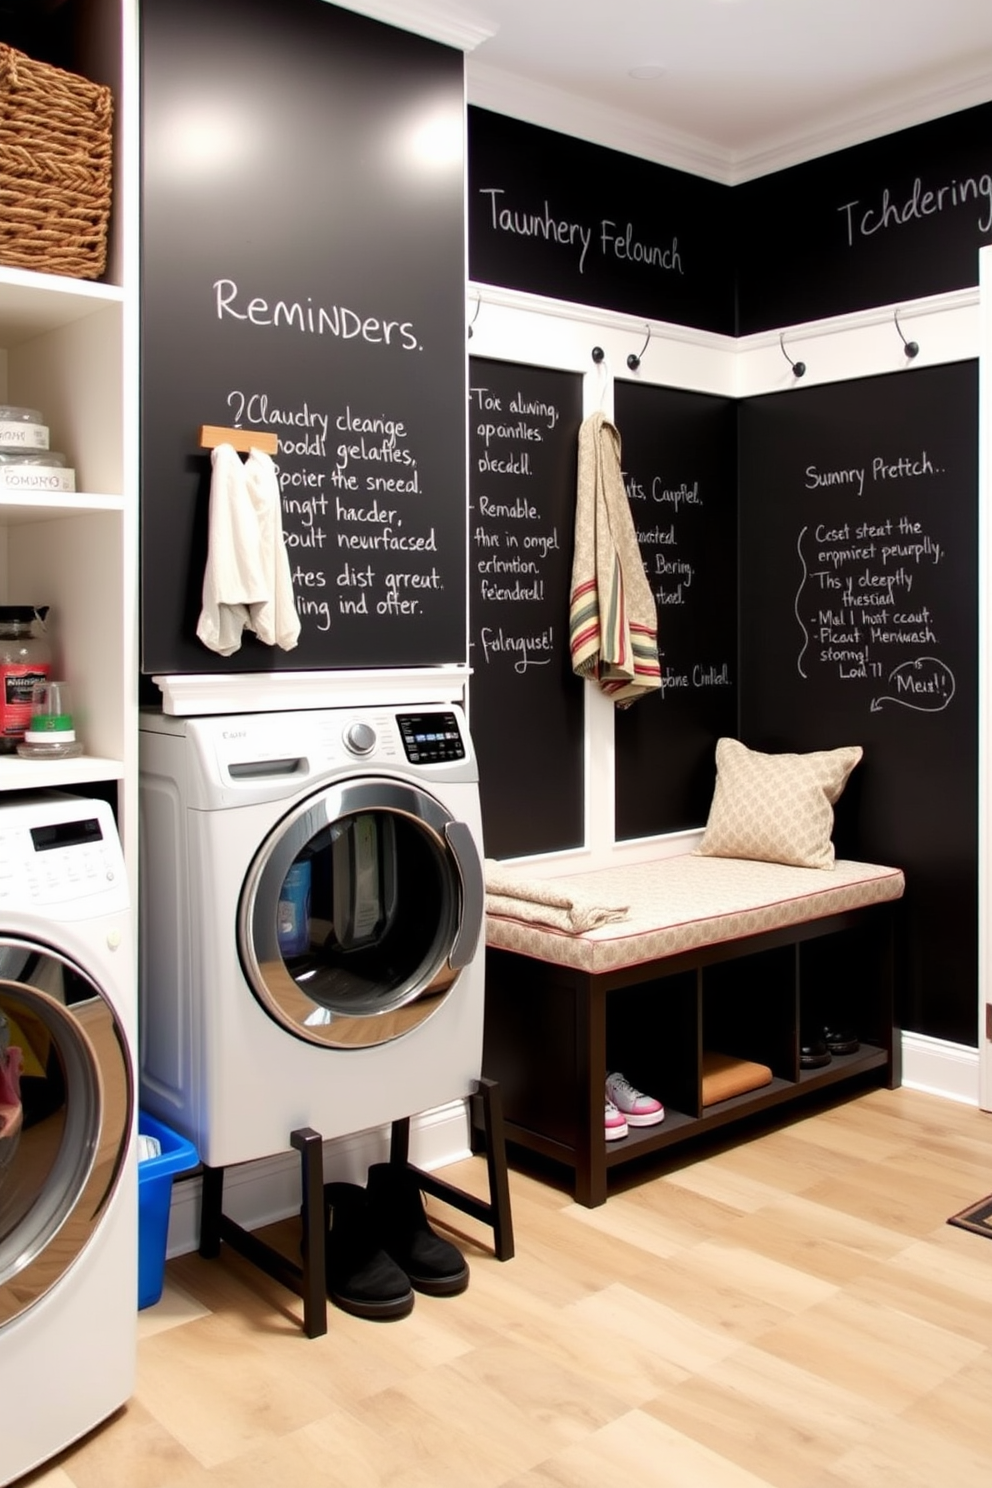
<point x="613" y="621"/>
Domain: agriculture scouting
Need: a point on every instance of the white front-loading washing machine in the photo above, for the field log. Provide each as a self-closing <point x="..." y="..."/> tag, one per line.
<point x="311" y="914"/>
<point x="68" y="1174"/>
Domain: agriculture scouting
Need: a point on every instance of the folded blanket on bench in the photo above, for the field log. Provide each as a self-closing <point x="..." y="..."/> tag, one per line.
<point x="680" y="903"/>
<point x="545" y="902"/>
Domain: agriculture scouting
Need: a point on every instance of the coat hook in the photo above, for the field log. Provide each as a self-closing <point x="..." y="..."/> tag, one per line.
<point x="798" y="368"/>
<point x="911" y="348"/>
<point x="598" y="354"/>
<point x="634" y="360"/>
<point x="478" y="305"/>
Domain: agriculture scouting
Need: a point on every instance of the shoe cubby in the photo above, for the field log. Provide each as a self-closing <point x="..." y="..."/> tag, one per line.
<point x="553" y="1033"/>
<point x="748" y="1008"/>
<point x="838" y="985"/>
<point x="652" y="1036"/>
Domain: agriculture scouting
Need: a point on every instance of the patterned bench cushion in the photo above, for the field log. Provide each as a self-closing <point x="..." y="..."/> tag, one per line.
<point x="680" y="903"/>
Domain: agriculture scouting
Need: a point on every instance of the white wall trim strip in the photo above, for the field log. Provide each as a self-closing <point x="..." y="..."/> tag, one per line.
<point x="940" y="1068"/>
<point x="260" y="1193"/>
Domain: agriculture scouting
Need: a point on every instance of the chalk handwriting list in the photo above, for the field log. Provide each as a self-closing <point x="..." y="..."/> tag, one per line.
<point x="612" y="241"/>
<point x="862" y="599"/>
<point x="339" y="321"/>
<point x="864" y="221"/>
<point x="655" y="504"/>
<point x="512" y="540"/>
<point x="350" y="488"/>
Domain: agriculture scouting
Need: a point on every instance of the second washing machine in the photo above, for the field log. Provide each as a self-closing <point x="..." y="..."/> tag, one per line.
<point x="312" y="908"/>
<point x="68" y="1174"/>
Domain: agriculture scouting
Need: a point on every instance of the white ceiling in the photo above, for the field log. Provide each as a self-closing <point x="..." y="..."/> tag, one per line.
<point x="747" y="85"/>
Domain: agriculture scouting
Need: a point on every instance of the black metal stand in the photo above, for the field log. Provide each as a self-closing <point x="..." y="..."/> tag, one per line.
<point x="306" y="1279"/>
<point x="487" y="1106"/>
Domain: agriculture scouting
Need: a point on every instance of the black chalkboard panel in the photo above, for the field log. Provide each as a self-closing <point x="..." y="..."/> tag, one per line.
<point x="525" y="702"/>
<point x="303" y="271"/>
<point x="891" y="220"/>
<point x="859" y="626"/>
<point x="679" y="459"/>
<point x="559" y="217"/>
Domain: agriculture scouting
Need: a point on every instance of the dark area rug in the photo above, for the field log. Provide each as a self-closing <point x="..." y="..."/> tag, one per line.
<point x="977" y="1218"/>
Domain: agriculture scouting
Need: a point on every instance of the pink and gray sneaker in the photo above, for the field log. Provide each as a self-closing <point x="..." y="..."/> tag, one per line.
<point x="634" y="1107"/>
<point x="616" y="1123"/>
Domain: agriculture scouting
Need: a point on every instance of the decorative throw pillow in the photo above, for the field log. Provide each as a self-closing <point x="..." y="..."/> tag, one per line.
<point x="776" y="808"/>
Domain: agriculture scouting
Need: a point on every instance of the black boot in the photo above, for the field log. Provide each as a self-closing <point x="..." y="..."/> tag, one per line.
<point x="361" y="1278"/>
<point x="434" y="1266"/>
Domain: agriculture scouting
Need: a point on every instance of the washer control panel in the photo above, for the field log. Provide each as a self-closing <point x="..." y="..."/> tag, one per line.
<point x="246" y="759"/>
<point x="429" y="738"/>
<point x="56" y="862"/>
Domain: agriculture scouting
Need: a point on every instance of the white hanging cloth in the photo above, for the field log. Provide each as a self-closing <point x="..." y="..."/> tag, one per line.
<point x="247" y="584"/>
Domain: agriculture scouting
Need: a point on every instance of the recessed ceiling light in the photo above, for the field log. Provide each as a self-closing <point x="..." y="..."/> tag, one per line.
<point x="648" y="71"/>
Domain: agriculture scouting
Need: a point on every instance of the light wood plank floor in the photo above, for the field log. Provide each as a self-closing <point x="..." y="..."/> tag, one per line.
<point x="792" y="1310"/>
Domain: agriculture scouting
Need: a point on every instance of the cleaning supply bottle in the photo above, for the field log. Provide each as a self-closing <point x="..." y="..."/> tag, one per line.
<point x="25" y="660"/>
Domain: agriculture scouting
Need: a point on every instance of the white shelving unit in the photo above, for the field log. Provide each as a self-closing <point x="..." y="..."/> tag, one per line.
<point x="69" y="348"/>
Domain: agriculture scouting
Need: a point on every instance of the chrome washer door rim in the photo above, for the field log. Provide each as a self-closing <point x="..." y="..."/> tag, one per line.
<point x="39" y="1242"/>
<point x="401" y="1007"/>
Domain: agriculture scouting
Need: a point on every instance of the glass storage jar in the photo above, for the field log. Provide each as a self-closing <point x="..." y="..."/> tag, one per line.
<point x="22" y="428"/>
<point x="25" y="659"/>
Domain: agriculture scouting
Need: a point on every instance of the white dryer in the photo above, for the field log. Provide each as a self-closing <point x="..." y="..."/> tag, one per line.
<point x="312" y="907"/>
<point x="68" y="1175"/>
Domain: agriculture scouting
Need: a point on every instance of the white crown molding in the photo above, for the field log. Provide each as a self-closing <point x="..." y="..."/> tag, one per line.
<point x="534" y="103"/>
<point x="551" y="108"/>
<point x="842" y="132"/>
<point x="438" y="20"/>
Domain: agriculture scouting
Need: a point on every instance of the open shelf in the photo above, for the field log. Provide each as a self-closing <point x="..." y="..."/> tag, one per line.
<point x="68" y="347"/>
<point x="33" y="304"/>
<point x="52" y="506"/>
<point x="26" y="774"/>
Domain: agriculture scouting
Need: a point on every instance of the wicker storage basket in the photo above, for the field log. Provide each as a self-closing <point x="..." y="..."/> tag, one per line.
<point x="55" y="168"/>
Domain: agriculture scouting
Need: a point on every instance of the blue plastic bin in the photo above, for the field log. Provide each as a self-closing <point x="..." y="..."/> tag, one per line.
<point x="154" y="1197"/>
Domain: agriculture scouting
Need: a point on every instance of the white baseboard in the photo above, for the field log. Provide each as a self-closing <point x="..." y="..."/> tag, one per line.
<point x="940" y="1068"/>
<point x="259" y="1193"/>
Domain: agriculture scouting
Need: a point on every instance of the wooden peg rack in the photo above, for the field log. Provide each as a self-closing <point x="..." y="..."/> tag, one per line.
<point x="243" y="440"/>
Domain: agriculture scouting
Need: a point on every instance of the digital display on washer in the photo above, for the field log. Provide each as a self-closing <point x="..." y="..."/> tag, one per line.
<point x="430" y="737"/>
<point x="66" y="834"/>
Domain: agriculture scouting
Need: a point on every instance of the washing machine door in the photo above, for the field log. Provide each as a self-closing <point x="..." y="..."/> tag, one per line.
<point x="66" y="1108"/>
<point x="360" y="911"/>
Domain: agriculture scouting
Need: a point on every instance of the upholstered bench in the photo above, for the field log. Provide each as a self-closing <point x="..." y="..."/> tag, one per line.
<point x="689" y="958"/>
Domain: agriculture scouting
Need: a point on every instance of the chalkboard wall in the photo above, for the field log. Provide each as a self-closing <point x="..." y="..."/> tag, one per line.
<point x="858" y="508"/>
<point x="559" y="217"/>
<point x="525" y="701"/>
<point x="897" y="218"/>
<point x="894" y="219"/>
<point x="679" y="460"/>
<point x="303" y="272"/>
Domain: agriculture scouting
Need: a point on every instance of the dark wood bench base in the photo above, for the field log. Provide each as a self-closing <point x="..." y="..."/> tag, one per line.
<point x="553" y="1034"/>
